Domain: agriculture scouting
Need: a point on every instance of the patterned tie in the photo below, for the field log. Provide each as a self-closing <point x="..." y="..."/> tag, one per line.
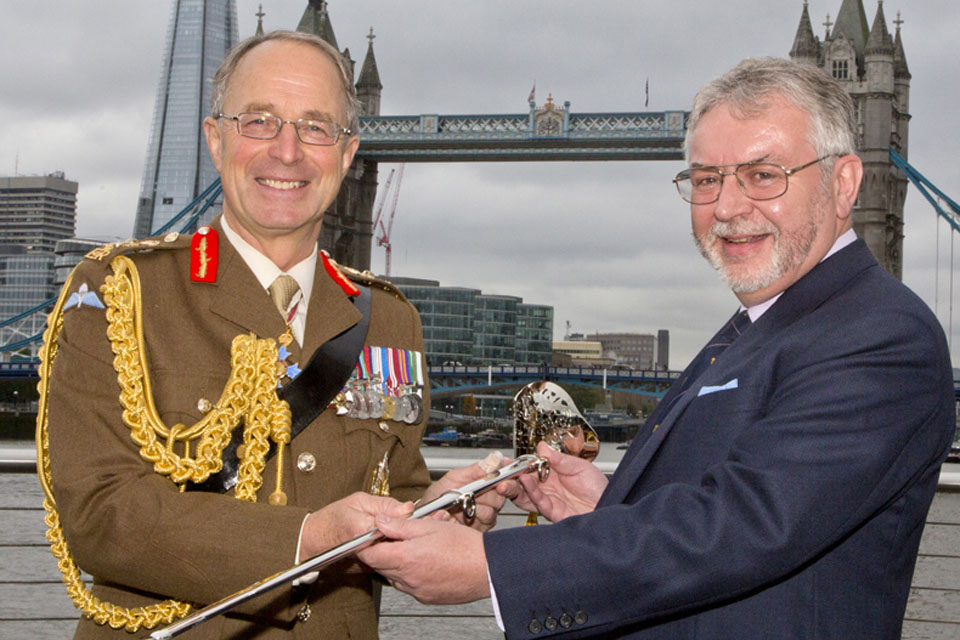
<point x="282" y="291"/>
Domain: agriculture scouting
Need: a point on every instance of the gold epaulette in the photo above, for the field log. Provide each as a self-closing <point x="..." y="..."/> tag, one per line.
<point x="113" y="249"/>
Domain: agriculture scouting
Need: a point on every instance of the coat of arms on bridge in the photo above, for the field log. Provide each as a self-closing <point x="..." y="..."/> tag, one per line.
<point x="550" y="120"/>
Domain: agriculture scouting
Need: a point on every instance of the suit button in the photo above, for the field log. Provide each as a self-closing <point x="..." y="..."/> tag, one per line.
<point x="566" y="621"/>
<point x="534" y="626"/>
<point x="550" y="624"/>
<point x="306" y="462"/>
<point x="580" y="617"/>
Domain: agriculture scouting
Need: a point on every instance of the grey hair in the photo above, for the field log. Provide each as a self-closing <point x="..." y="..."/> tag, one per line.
<point x="749" y="89"/>
<point x="221" y="80"/>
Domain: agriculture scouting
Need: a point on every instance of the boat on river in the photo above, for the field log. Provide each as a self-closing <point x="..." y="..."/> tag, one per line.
<point x="449" y="437"/>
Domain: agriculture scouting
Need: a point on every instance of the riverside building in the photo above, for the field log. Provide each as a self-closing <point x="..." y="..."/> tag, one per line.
<point x="466" y="326"/>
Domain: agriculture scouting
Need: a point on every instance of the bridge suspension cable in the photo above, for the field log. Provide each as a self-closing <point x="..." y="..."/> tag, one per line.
<point x="952" y="211"/>
<point x="946" y="209"/>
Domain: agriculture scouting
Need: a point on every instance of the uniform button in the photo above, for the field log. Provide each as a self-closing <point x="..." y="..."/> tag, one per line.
<point x="171" y="237"/>
<point x="306" y="462"/>
<point x="550" y="624"/>
<point x="384" y="426"/>
<point x="534" y="626"/>
<point x="304" y="614"/>
<point x="566" y="621"/>
<point x="204" y="405"/>
<point x="580" y="617"/>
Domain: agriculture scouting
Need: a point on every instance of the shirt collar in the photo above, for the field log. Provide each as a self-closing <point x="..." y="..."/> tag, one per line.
<point x="265" y="270"/>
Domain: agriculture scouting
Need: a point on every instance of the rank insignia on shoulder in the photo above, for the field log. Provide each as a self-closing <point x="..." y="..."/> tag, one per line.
<point x="386" y="383"/>
<point x="348" y="287"/>
<point x="83" y="296"/>
<point x="204" y="254"/>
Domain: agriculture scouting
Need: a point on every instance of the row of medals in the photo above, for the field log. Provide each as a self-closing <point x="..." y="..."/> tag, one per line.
<point x="362" y="398"/>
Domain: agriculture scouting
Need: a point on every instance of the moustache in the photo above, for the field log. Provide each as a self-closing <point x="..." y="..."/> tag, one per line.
<point x="742" y="228"/>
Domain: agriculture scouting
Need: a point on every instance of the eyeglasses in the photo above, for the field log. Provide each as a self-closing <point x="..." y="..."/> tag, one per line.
<point x="266" y="126"/>
<point x="757" y="180"/>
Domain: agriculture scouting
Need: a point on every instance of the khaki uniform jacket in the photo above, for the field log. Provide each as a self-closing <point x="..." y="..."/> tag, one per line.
<point x="143" y="540"/>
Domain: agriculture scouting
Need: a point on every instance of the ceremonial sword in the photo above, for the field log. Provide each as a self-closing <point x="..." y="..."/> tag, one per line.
<point x="463" y="498"/>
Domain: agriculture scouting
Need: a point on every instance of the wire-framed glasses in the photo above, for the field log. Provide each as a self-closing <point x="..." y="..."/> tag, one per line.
<point x="757" y="180"/>
<point x="266" y="126"/>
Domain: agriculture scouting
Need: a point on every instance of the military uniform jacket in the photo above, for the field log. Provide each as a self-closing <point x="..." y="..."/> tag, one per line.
<point x="142" y="539"/>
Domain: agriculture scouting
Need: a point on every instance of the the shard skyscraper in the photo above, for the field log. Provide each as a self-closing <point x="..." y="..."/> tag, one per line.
<point x="178" y="166"/>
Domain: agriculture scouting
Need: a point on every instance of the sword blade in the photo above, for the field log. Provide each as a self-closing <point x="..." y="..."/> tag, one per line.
<point x="450" y="499"/>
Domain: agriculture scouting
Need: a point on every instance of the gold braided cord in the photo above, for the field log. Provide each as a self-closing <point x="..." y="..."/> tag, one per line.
<point x="250" y="393"/>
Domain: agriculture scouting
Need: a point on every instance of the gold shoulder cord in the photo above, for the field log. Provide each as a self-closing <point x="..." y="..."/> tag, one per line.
<point x="250" y="393"/>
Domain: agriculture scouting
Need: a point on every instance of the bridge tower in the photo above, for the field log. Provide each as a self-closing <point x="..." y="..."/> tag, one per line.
<point x="348" y="224"/>
<point x="873" y="67"/>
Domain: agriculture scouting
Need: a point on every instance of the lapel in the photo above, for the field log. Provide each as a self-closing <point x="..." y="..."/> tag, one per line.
<point x="821" y="283"/>
<point x="237" y="295"/>
<point x="331" y="312"/>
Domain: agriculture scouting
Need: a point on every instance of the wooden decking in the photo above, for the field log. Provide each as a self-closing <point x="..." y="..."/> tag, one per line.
<point x="34" y="604"/>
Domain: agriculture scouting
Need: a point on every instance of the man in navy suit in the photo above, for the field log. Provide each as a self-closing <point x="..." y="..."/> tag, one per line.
<point x="780" y="488"/>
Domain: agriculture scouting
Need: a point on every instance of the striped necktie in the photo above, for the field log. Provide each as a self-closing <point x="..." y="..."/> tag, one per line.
<point x="282" y="291"/>
<point x="724" y="338"/>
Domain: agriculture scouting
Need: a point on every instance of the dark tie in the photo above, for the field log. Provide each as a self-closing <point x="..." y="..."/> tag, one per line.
<point x="707" y="356"/>
<point x="717" y="345"/>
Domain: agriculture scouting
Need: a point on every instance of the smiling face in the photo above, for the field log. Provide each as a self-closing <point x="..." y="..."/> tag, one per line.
<point x="276" y="191"/>
<point x="762" y="247"/>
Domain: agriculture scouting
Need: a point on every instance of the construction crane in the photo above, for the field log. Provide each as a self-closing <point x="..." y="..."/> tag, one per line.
<point x="381" y="231"/>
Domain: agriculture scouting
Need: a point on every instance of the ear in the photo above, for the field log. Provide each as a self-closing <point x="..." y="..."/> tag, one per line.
<point x="212" y="132"/>
<point x="847" y="174"/>
<point x="349" y="150"/>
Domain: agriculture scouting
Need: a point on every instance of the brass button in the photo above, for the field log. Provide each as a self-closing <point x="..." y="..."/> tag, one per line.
<point x="204" y="405"/>
<point x="550" y="624"/>
<point x="566" y="620"/>
<point x="384" y="426"/>
<point x="534" y="626"/>
<point x="306" y="462"/>
<point x="580" y="617"/>
<point x="304" y="614"/>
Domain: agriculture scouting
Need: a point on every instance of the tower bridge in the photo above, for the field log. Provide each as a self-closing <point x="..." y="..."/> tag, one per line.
<point x="869" y="60"/>
<point x="545" y="133"/>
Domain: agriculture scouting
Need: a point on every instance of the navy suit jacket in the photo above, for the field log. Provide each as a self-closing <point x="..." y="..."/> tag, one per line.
<point x="782" y="496"/>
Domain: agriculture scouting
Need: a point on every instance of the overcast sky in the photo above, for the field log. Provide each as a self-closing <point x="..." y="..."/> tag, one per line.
<point x="606" y="244"/>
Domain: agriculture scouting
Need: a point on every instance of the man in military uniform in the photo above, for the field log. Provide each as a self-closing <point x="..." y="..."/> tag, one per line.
<point x="200" y="332"/>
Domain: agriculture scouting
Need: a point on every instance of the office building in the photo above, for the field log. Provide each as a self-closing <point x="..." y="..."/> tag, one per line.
<point x="632" y="350"/>
<point x="466" y="326"/>
<point x="36" y="211"/>
<point x="578" y="352"/>
<point x="663" y="350"/>
<point x="178" y="166"/>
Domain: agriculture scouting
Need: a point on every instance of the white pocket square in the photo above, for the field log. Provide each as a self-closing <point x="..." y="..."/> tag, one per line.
<point x="723" y="387"/>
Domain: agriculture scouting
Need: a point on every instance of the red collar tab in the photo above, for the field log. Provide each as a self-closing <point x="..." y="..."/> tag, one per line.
<point x="204" y="255"/>
<point x="348" y="287"/>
